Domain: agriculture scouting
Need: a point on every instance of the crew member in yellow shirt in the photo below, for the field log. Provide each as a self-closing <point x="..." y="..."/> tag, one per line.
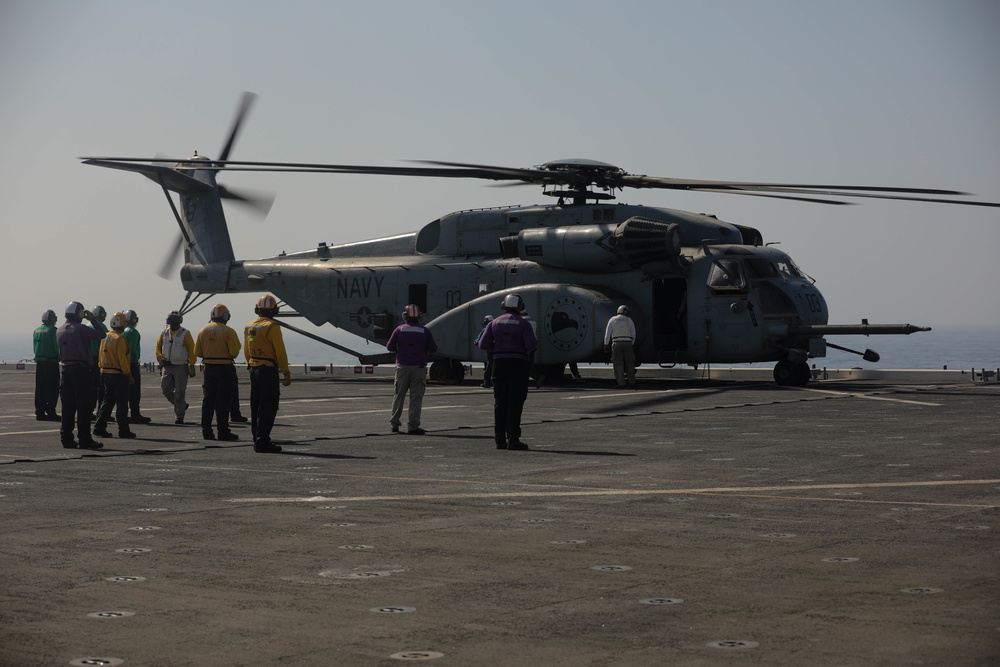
<point x="217" y="345"/>
<point x="265" y="352"/>
<point x="115" y="360"/>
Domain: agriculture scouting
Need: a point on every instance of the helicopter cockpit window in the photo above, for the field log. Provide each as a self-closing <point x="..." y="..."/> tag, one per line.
<point x="759" y="268"/>
<point x="788" y="269"/>
<point x="726" y="276"/>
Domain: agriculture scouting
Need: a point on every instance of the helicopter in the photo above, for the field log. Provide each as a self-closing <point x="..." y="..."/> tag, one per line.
<point x="700" y="290"/>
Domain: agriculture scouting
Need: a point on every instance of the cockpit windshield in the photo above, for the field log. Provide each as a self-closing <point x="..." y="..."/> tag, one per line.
<point x="787" y="268"/>
<point x="759" y="268"/>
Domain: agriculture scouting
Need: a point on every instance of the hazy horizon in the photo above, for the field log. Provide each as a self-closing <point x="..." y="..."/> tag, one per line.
<point x="894" y="93"/>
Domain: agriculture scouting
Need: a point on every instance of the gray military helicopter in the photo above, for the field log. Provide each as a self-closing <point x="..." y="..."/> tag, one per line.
<point x="700" y="290"/>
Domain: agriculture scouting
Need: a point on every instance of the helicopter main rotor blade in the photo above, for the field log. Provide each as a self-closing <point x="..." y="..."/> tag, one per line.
<point x="598" y="175"/>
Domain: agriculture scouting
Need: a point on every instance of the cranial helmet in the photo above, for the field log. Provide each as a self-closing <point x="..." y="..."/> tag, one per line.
<point x="513" y="302"/>
<point x="100" y="313"/>
<point x="220" y="313"/>
<point x="49" y="317"/>
<point x="131" y="317"/>
<point x="118" y="320"/>
<point x="267" y="306"/>
<point x="174" y="318"/>
<point x="74" y="310"/>
<point x="623" y="310"/>
<point x="487" y="320"/>
<point x="411" y="312"/>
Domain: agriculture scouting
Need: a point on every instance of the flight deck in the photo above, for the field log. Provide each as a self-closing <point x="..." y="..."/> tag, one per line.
<point x="689" y="522"/>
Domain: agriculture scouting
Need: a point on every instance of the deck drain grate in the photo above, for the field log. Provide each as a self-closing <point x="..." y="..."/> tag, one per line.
<point x="111" y="614"/>
<point x="393" y="610"/>
<point x="922" y="590"/>
<point x="611" y="568"/>
<point x="733" y="644"/>
<point x="125" y="579"/>
<point x="133" y="550"/>
<point x="569" y="541"/>
<point x="98" y="662"/>
<point x="779" y="535"/>
<point x="356" y="547"/>
<point x="661" y="601"/>
<point x="839" y="559"/>
<point x="145" y="528"/>
<point x="416" y="655"/>
<point x="152" y="509"/>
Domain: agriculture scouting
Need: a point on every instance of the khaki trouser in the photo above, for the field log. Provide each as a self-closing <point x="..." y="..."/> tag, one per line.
<point x="411" y="379"/>
<point x="174" y="382"/>
<point x="623" y="357"/>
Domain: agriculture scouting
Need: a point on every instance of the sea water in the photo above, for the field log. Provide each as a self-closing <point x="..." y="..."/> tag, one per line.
<point x="951" y="347"/>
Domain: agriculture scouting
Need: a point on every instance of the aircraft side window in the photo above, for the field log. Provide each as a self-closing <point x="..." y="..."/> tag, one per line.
<point x="726" y="276"/>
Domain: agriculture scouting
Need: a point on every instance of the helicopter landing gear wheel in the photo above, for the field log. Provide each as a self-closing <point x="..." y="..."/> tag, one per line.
<point x="805" y="374"/>
<point x="786" y="373"/>
<point x="448" y="371"/>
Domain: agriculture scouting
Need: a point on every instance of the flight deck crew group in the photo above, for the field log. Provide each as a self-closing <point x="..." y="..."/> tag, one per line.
<point x="509" y="341"/>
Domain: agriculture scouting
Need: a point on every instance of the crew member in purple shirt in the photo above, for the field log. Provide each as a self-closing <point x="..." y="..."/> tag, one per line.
<point x="76" y="388"/>
<point x="511" y="339"/>
<point x="413" y="344"/>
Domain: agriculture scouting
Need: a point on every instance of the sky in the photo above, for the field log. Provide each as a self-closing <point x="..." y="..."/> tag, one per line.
<point x="895" y="93"/>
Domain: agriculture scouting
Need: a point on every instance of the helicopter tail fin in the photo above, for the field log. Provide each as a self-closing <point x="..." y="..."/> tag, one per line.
<point x="201" y="219"/>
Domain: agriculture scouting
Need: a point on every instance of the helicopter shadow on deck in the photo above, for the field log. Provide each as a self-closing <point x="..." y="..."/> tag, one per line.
<point x="489" y="439"/>
<point x="317" y="455"/>
<point x="638" y="399"/>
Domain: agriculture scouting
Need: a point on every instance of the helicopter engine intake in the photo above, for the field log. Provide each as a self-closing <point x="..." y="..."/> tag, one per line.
<point x="596" y="248"/>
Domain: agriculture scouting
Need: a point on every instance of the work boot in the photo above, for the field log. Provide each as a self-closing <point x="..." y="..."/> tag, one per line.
<point x="415" y="431"/>
<point x="126" y="434"/>
<point x="93" y="444"/>
<point x="517" y="445"/>
<point x="267" y="448"/>
<point x="207" y="435"/>
<point x="139" y="419"/>
<point x="229" y="436"/>
<point x="102" y="432"/>
<point x="239" y="418"/>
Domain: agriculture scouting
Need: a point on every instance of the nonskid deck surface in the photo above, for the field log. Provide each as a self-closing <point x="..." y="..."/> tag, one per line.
<point x="687" y="523"/>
